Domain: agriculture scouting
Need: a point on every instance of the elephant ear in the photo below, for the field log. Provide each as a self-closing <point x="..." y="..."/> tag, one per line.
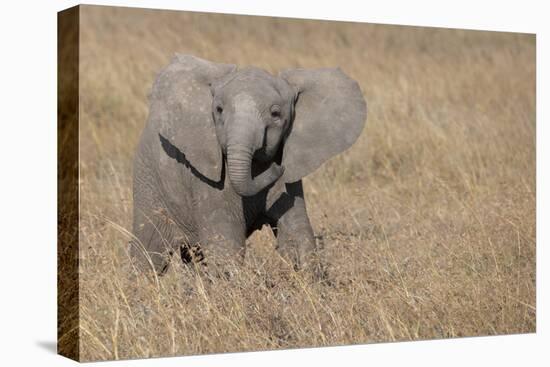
<point x="330" y="114"/>
<point x="181" y="109"/>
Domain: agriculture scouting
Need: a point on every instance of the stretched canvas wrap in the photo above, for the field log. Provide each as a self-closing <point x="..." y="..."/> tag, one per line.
<point x="239" y="183"/>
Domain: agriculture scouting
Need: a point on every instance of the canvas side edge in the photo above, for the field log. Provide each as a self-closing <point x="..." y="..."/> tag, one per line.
<point x="68" y="43"/>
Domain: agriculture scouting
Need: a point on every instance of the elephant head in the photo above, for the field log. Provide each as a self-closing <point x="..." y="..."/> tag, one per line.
<point x="268" y="127"/>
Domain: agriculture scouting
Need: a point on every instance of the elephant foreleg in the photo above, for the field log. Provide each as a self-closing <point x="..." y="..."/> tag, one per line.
<point x="295" y="239"/>
<point x="221" y="238"/>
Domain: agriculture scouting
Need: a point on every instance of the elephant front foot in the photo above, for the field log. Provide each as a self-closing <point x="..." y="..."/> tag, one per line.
<point x="221" y="258"/>
<point x="299" y="249"/>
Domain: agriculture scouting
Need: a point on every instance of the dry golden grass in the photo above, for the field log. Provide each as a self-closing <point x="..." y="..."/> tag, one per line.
<point x="427" y="222"/>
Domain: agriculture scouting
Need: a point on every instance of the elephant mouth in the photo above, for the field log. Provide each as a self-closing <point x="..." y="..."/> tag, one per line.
<point x="249" y="176"/>
<point x="260" y="157"/>
<point x="259" y="165"/>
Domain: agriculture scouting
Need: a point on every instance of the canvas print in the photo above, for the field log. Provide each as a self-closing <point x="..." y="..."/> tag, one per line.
<point x="234" y="183"/>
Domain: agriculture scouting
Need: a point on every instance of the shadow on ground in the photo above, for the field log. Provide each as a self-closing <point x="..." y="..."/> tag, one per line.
<point x="48" y="345"/>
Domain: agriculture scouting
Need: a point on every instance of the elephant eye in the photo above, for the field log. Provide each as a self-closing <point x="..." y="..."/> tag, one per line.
<point x="219" y="109"/>
<point x="275" y="112"/>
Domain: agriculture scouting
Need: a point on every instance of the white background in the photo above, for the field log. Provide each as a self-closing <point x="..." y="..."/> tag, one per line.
<point x="28" y="181"/>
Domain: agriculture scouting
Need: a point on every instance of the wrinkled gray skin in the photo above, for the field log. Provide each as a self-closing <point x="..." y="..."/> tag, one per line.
<point x="223" y="154"/>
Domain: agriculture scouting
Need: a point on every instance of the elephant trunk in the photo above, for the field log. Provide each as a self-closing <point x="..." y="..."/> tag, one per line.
<point x="239" y="167"/>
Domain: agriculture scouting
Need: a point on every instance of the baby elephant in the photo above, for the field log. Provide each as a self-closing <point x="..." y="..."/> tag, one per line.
<point x="224" y="151"/>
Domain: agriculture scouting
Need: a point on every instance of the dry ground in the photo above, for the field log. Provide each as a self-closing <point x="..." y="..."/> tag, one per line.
<point x="427" y="222"/>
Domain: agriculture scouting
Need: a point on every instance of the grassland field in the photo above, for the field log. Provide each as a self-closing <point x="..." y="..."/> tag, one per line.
<point x="427" y="223"/>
